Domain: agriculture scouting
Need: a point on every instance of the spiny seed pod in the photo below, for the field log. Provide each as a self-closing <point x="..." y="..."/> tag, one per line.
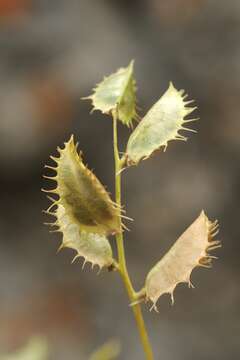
<point x="160" y="125"/>
<point x="117" y="94"/>
<point x="85" y="200"/>
<point x="188" y="252"/>
<point x="94" y="248"/>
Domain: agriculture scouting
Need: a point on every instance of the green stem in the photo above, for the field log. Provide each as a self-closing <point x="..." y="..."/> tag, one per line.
<point x="121" y="252"/>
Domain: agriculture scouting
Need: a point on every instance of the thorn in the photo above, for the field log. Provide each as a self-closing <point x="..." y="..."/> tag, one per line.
<point x="50" y="224"/>
<point x="60" y="248"/>
<point x="154" y="307"/>
<point x="54" y="191"/>
<point x="214" y="233"/>
<point x="123" y="210"/>
<point x="210" y="248"/>
<point x="215" y="242"/>
<point x="214" y="226"/>
<point x="52" y="199"/>
<point x="51" y="206"/>
<point x="187" y="129"/>
<point x="54" y="158"/>
<point x="181" y="137"/>
<point x="126" y="217"/>
<point x="212" y="243"/>
<point x="125" y="227"/>
<point x="50" y="177"/>
<point x="189" y="110"/>
<point x="191" y="120"/>
<point x="75" y="258"/>
<point x="86" y="97"/>
<point x="190" y="285"/>
<point x="50" y="167"/>
<point x="189" y="102"/>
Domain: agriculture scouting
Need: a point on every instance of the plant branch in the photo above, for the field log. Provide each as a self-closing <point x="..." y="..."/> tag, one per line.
<point x="121" y="252"/>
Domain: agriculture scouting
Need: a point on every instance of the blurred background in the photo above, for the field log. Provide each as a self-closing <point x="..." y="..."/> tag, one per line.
<point x="52" y="53"/>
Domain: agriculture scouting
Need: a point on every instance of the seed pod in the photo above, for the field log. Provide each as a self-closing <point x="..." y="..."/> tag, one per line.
<point x="160" y="125"/>
<point x="188" y="252"/>
<point x="94" y="248"/>
<point x="117" y="93"/>
<point x="85" y="200"/>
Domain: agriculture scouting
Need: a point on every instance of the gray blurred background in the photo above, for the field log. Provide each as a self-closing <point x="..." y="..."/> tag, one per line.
<point x="51" y="54"/>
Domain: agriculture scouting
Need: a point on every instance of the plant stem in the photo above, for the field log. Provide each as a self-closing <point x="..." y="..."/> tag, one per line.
<point x="121" y="252"/>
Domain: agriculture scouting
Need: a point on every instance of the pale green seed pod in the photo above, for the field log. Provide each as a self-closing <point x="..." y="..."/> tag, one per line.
<point x="160" y="125"/>
<point x="188" y="252"/>
<point x="117" y="94"/>
<point x="84" y="213"/>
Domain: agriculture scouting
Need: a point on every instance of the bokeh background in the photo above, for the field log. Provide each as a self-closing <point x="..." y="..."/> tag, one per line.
<point x="51" y="54"/>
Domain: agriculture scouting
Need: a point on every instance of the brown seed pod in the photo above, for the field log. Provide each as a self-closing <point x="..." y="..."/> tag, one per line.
<point x="189" y="251"/>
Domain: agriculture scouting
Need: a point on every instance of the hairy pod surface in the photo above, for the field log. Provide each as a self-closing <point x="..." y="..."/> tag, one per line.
<point x="83" y="197"/>
<point x="160" y="125"/>
<point x="117" y="93"/>
<point x="188" y="252"/>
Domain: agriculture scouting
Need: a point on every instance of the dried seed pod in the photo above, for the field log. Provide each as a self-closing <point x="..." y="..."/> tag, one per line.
<point x="83" y="197"/>
<point x="188" y="252"/>
<point x="94" y="248"/>
<point x="117" y="93"/>
<point x="160" y="125"/>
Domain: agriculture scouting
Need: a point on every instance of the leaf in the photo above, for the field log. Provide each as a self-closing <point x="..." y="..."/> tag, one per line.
<point x="94" y="248"/>
<point x="188" y="252"/>
<point x="160" y="125"/>
<point x="117" y="93"/>
<point x="85" y="200"/>
<point x="108" y="351"/>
